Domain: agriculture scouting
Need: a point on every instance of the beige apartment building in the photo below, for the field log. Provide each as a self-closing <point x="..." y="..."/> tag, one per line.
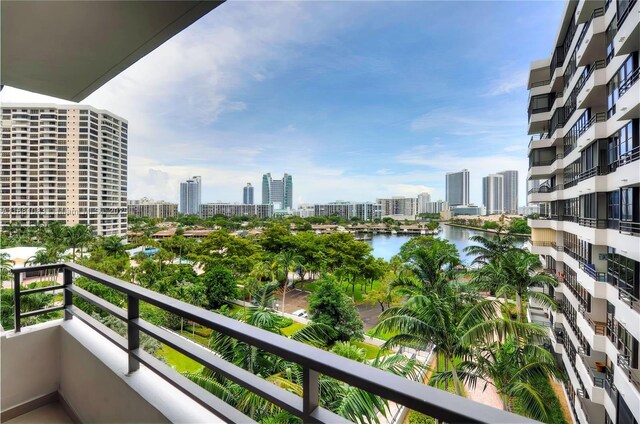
<point x="66" y="164"/>
<point x="585" y="174"/>
<point x="152" y="208"/>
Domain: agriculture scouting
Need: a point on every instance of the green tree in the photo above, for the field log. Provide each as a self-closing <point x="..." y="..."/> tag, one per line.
<point x="512" y="367"/>
<point x="519" y="226"/>
<point x="520" y="274"/>
<point x="329" y="305"/>
<point x="219" y="285"/>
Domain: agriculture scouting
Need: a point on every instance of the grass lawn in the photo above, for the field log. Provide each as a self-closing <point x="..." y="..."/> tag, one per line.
<point x="381" y="336"/>
<point x="196" y="337"/>
<point x="288" y="331"/>
<point x="178" y="361"/>
<point x="370" y="350"/>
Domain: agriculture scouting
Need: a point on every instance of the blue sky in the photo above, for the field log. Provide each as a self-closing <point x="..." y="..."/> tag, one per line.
<point x="356" y="100"/>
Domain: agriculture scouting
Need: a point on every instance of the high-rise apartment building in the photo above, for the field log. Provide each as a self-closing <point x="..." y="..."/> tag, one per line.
<point x="278" y="193"/>
<point x="152" y="208"/>
<point x="190" y="195"/>
<point x="247" y="194"/>
<point x="585" y="151"/>
<point x="437" y="206"/>
<point x="65" y="164"/>
<point x="457" y="188"/>
<point x="493" y="193"/>
<point x="209" y="210"/>
<point x="399" y="207"/>
<point x="423" y="201"/>
<point x="365" y="211"/>
<point x="510" y="190"/>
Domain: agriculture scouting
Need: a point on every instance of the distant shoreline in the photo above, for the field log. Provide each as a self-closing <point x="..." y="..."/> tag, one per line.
<point x="486" y="230"/>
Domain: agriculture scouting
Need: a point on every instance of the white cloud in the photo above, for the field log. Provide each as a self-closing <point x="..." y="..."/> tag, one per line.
<point x="509" y="81"/>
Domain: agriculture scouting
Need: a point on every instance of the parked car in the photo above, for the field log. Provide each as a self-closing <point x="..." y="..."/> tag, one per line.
<point x="301" y="313"/>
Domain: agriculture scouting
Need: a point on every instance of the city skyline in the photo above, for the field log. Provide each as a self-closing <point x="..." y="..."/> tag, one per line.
<point x="377" y="121"/>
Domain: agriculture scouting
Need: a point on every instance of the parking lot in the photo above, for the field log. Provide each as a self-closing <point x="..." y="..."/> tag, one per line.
<point x="297" y="299"/>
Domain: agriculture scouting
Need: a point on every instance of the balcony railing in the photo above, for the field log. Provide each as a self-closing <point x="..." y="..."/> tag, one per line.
<point x="596" y="13"/>
<point x="626" y="12"/>
<point x="592" y="222"/>
<point x="628" y="83"/>
<point x="313" y="361"/>
<point x="625" y="158"/>
<point x="590" y="270"/>
<point x="629" y="299"/>
<point x="630" y="227"/>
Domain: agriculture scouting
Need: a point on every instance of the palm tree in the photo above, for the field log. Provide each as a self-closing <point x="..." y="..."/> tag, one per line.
<point x="6" y="265"/>
<point x="513" y="367"/>
<point x="519" y="273"/>
<point x="490" y="249"/>
<point x="288" y="260"/>
<point x="432" y="261"/>
<point x="77" y="237"/>
<point x="354" y="404"/>
<point x="113" y="246"/>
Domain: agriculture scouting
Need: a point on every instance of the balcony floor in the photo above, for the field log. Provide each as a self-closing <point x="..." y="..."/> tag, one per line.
<point x="49" y="413"/>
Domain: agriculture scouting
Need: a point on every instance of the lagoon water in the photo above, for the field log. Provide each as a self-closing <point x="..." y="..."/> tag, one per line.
<point x="385" y="246"/>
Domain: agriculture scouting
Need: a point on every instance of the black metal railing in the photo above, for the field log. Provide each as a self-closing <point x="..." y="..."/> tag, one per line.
<point x="629" y="227"/>
<point x="590" y="270"/>
<point x="625" y="158"/>
<point x="314" y="361"/>
<point x="628" y="83"/>
<point x="623" y="15"/>
<point x="540" y="83"/>
<point x="596" y="13"/>
<point x="629" y="299"/>
<point x="592" y="222"/>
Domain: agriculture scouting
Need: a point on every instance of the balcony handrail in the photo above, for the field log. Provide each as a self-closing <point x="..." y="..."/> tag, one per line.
<point x="540" y="83"/>
<point x="629" y="227"/>
<point x="629" y="81"/>
<point x="626" y="158"/>
<point x="596" y="13"/>
<point x="314" y="361"/>
<point x="625" y="13"/>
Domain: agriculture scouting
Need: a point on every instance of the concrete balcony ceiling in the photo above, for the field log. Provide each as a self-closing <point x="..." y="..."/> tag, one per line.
<point x="69" y="49"/>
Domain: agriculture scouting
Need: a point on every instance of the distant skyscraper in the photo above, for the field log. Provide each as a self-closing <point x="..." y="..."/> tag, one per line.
<point x="247" y="194"/>
<point x="190" y="192"/>
<point x="277" y="192"/>
<point x="493" y="193"/>
<point x="423" y="201"/>
<point x="510" y="191"/>
<point x="457" y="188"/>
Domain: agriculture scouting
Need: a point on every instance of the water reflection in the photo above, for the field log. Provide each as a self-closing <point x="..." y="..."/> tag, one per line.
<point x="385" y="246"/>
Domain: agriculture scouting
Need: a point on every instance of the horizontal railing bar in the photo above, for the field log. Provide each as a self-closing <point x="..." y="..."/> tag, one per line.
<point x="96" y="325"/>
<point x="412" y="394"/>
<point x="203" y="397"/>
<point x="37" y="268"/>
<point x="274" y="394"/>
<point x="40" y="311"/>
<point x="99" y="302"/>
<point x="40" y="290"/>
<point x="182" y="383"/>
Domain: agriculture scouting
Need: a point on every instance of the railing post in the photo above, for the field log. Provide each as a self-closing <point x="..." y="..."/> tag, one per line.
<point x="310" y="393"/>
<point x="133" y="334"/>
<point x="17" y="277"/>
<point x="67" y="280"/>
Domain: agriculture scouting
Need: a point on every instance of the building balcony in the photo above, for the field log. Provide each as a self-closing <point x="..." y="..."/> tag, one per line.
<point x="591" y="39"/>
<point x="627" y="38"/>
<point x="64" y="359"/>
<point x="628" y="105"/>
<point x="594" y="88"/>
